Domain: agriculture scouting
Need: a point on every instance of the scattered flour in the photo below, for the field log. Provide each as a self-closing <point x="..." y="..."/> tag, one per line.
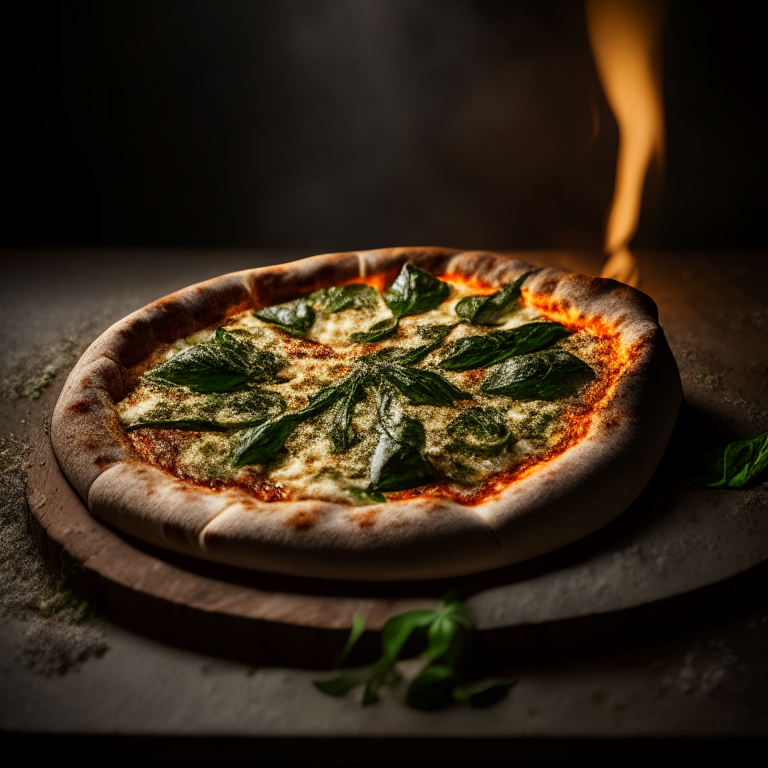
<point x="59" y="630"/>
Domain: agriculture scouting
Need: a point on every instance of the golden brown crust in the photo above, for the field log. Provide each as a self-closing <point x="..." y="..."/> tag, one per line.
<point x="565" y="499"/>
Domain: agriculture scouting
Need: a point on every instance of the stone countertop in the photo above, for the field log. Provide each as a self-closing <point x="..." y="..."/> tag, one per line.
<point x="705" y="679"/>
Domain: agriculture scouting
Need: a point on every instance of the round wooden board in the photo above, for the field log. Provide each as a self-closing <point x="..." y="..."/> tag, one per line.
<point x="644" y="571"/>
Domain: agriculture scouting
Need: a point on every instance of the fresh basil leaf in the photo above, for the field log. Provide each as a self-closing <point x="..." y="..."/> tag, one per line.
<point x="397" y="467"/>
<point x="490" y="348"/>
<point x="261" y="444"/>
<point x="398" y="463"/>
<point x="415" y="292"/>
<point x="397" y="631"/>
<point x="544" y="375"/>
<point x="341" y="415"/>
<point x="479" y="432"/>
<point x="422" y="387"/>
<point x="433" y="688"/>
<point x="377" y="332"/>
<point x="339" y="685"/>
<point x="294" y="317"/>
<point x="491" y="310"/>
<point x="735" y="465"/>
<point x="260" y="364"/>
<point x="484" y="693"/>
<point x="337" y="299"/>
<point x="204" y="368"/>
<point x="220" y="365"/>
<point x="355" y="633"/>
<point x="434" y="335"/>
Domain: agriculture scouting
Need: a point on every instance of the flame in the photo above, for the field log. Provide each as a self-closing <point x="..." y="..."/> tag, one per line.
<point x="625" y="36"/>
<point x="475" y="284"/>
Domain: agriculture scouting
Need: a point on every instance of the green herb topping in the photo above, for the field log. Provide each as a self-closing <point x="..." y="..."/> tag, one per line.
<point x="544" y="375"/>
<point x="494" y="309"/>
<point x="490" y="348"/>
<point x="294" y="317"/>
<point x="415" y="292"/>
<point x="353" y="296"/>
<point x="225" y="363"/>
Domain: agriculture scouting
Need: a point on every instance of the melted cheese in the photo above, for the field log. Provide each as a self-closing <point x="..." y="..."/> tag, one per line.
<point x="309" y="467"/>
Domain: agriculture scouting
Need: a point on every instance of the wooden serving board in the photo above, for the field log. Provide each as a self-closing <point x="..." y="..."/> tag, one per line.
<point x="629" y="578"/>
<point x="675" y="554"/>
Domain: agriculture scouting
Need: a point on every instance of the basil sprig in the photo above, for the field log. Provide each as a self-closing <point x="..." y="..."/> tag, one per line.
<point x="546" y="375"/>
<point x="479" y="432"/>
<point x="415" y="292"/>
<point x="294" y="317"/>
<point x="337" y="299"/>
<point x="490" y="348"/>
<point x="225" y="363"/>
<point x="377" y="332"/>
<point x="491" y="310"/>
<point x="736" y="465"/>
<point x="442" y="637"/>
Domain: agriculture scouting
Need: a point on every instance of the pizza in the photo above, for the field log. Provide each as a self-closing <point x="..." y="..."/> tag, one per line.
<point x="396" y="414"/>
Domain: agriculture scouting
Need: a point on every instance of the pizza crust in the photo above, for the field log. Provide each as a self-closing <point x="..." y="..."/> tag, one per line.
<point x="561" y="501"/>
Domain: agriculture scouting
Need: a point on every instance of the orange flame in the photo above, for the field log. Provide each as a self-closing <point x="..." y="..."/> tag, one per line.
<point x="625" y="36"/>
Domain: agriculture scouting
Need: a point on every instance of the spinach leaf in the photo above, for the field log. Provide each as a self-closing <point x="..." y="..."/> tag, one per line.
<point x="415" y="292"/>
<point x="491" y="348"/>
<point x="420" y="386"/>
<point x="485" y="693"/>
<point x="491" y="310"/>
<point x="544" y="375"/>
<point x="398" y="463"/>
<point x="220" y="365"/>
<point x="480" y="432"/>
<point x="260" y="444"/>
<point x="377" y="332"/>
<point x="735" y="465"/>
<point x="342" y="412"/>
<point x="294" y="317"/>
<point x="337" y="299"/>
<point x="434" y="335"/>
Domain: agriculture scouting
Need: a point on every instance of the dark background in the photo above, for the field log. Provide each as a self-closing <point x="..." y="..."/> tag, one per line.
<point x="341" y="124"/>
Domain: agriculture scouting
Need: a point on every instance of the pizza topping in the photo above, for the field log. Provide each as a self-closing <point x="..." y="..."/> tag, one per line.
<point x="398" y="462"/>
<point x="330" y="419"/>
<point x="377" y="332"/>
<point x="479" y="432"/>
<point x="352" y="296"/>
<point x="494" y="309"/>
<point x="544" y="375"/>
<point x="214" y="412"/>
<point x="294" y="317"/>
<point x="226" y="362"/>
<point x="488" y="349"/>
<point x="415" y="292"/>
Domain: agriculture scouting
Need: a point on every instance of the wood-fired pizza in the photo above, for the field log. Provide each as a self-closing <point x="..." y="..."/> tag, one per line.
<point x="396" y="414"/>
